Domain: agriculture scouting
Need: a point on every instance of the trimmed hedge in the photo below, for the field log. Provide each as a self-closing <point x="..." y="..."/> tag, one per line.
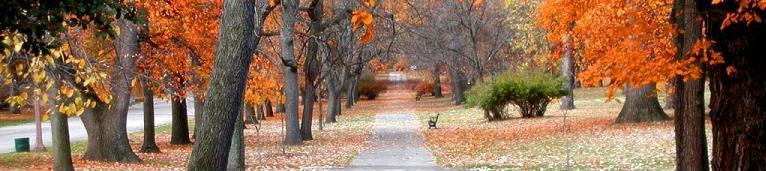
<point x="529" y="91"/>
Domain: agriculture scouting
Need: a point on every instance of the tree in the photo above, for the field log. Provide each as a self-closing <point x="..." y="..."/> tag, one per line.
<point x="735" y="35"/>
<point x="688" y="96"/>
<point x="641" y="105"/>
<point x="289" y="16"/>
<point x="238" y="37"/>
<point x="149" y="145"/>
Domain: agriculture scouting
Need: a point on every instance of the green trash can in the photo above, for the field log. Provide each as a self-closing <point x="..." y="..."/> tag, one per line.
<point x="22" y="144"/>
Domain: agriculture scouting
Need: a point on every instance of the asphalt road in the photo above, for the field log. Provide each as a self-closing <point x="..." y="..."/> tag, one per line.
<point x="162" y="111"/>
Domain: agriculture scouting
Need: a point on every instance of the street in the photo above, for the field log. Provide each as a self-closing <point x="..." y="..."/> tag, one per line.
<point x="135" y="122"/>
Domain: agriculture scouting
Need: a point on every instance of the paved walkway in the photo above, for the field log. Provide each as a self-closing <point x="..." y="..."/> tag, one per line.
<point x="396" y="145"/>
<point x="77" y="132"/>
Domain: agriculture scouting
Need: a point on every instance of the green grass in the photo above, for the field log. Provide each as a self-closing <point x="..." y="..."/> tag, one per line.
<point x="19" y="160"/>
<point x="15" y="122"/>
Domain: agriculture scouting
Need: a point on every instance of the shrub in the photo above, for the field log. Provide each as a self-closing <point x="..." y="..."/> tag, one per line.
<point x="369" y="87"/>
<point x="424" y="87"/>
<point x="529" y="91"/>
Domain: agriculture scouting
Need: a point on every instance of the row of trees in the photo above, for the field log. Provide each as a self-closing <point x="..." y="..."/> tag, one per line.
<point x="90" y="56"/>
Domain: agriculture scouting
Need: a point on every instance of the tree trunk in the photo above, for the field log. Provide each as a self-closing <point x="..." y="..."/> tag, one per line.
<point x="311" y="68"/>
<point x="437" y="81"/>
<point x="62" y="152"/>
<point x="333" y="99"/>
<point x="250" y="114"/>
<point x="261" y="115"/>
<point x="738" y="100"/>
<point x="350" y="91"/>
<point x="567" y="71"/>
<point x="225" y="93"/>
<point x="39" y="146"/>
<point x="150" y="145"/>
<point x="199" y="107"/>
<point x="289" y="12"/>
<point x="641" y="105"/>
<point x="688" y="98"/>
<point x="236" y="159"/>
<point x="458" y="86"/>
<point x="670" y="99"/>
<point x="106" y="123"/>
<point x="269" y="108"/>
<point x="180" y="122"/>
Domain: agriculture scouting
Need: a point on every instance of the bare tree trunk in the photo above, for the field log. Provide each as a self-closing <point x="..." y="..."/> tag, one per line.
<point x="333" y="99"/>
<point x="261" y="115"/>
<point x="150" y="145"/>
<point x="199" y="107"/>
<point x="39" y="146"/>
<point x="236" y="43"/>
<point x="269" y="108"/>
<point x="62" y="153"/>
<point x="106" y="123"/>
<point x="311" y="68"/>
<point x="641" y="105"/>
<point x="458" y="86"/>
<point x="180" y="122"/>
<point x="250" y="117"/>
<point x="738" y="100"/>
<point x="289" y="12"/>
<point x="350" y="91"/>
<point x="567" y="71"/>
<point x="236" y="159"/>
<point x="688" y="98"/>
<point x="437" y="81"/>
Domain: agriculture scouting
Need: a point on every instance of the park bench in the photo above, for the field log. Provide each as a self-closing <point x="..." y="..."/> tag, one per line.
<point x="432" y="121"/>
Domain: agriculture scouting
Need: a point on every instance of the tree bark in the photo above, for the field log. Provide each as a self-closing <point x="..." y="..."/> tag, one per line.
<point x="311" y="68"/>
<point x="62" y="152"/>
<point x="225" y="93"/>
<point x="39" y="146"/>
<point x="738" y="100"/>
<point x="180" y="122"/>
<point x="688" y="98"/>
<point x="261" y="115"/>
<point x="250" y="114"/>
<point x="641" y="105"/>
<point x="437" y="81"/>
<point x="269" y="108"/>
<point x="350" y="91"/>
<point x="458" y="86"/>
<point x="150" y="145"/>
<point x="106" y="123"/>
<point x="333" y="99"/>
<point x="236" y="159"/>
<point x="567" y="71"/>
<point x="199" y="107"/>
<point x="289" y="12"/>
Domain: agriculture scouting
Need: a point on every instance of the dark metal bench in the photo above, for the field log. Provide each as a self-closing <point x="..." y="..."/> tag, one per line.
<point x="432" y="121"/>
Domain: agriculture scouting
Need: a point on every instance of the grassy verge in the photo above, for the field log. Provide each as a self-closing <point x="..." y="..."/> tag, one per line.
<point x="13" y="122"/>
<point x="465" y="140"/>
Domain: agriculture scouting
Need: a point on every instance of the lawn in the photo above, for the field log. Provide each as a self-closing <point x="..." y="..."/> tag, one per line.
<point x="333" y="147"/>
<point x="466" y="140"/>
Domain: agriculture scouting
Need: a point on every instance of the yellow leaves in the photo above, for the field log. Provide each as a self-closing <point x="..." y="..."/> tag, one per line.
<point x="369" y="3"/>
<point x="359" y="18"/>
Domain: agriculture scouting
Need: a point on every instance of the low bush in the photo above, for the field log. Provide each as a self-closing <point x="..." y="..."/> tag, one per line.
<point x="424" y="87"/>
<point x="370" y="88"/>
<point x="529" y="91"/>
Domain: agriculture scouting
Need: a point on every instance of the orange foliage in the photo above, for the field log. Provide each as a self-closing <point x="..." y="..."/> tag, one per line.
<point x="626" y="42"/>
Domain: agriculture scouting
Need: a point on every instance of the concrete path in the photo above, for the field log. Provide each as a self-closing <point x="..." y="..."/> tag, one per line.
<point x="162" y="110"/>
<point x="396" y="145"/>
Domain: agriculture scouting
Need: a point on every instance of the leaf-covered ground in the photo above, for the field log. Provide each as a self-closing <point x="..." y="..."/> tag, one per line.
<point x="332" y="147"/>
<point x="466" y="140"/>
